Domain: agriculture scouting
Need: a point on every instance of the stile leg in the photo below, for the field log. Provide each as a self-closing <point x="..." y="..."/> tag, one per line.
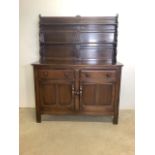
<point x="38" y="117"/>
<point x="115" y="119"/>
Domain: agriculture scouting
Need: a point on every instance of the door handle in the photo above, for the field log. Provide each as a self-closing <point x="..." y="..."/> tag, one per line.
<point x="81" y="90"/>
<point x="78" y="92"/>
<point x="73" y="92"/>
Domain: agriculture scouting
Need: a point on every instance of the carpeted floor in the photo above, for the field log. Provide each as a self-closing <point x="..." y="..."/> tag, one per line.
<point x="76" y="135"/>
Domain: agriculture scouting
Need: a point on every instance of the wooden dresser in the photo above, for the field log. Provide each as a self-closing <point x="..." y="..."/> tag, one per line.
<point x="77" y="73"/>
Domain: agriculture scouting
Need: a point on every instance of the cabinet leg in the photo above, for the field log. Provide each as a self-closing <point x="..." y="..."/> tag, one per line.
<point x="115" y="119"/>
<point x="38" y="118"/>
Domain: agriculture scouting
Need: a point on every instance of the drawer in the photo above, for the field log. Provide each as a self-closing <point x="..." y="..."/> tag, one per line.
<point x="56" y="74"/>
<point x="98" y="75"/>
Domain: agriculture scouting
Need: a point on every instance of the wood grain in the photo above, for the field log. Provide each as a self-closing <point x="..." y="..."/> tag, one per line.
<point x="78" y="73"/>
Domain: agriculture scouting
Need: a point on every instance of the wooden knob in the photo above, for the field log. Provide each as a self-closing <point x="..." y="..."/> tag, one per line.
<point x="86" y="75"/>
<point x="107" y="75"/>
<point x="45" y="73"/>
<point x="66" y="75"/>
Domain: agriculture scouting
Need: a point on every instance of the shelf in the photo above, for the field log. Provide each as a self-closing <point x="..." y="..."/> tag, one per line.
<point x="78" y="24"/>
<point x="75" y="43"/>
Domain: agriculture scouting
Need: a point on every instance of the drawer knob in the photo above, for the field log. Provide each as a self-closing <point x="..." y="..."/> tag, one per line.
<point x="107" y="75"/>
<point x="73" y="92"/>
<point x="86" y="75"/>
<point x="79" y="92"/>
<point x="66" y="75"/>
<point x="45" y="74"/>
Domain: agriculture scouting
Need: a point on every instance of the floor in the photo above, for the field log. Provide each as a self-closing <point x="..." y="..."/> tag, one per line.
<point x="76" y="135"/>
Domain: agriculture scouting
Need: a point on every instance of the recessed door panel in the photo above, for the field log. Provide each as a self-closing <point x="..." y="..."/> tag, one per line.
<point x="97" y="94"/>
<point x="64" y="94"/>
<point x="88" y="94"/>
<point x="97" y="97"/>
<point x="49" y="94"/>
<point x="56" y="95"/>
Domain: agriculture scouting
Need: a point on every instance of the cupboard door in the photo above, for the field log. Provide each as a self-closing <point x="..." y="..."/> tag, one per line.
<point x="57" y="96"/>
<point x="97" y="94"/>
<point x="97" y="97"/>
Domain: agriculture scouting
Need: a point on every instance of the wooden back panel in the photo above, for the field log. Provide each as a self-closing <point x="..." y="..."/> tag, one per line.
<point x="78" y="38"/>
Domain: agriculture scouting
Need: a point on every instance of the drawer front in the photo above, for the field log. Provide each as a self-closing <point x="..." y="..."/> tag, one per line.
<point x="98" y="76"/>
<point x="56" y="74"/>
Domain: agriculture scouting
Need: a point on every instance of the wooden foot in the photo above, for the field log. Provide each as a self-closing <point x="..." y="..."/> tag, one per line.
<point x="115" y="120"/>
<point x="38" y="118"/>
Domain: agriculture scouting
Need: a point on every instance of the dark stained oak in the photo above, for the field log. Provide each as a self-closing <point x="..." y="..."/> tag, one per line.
<point x="73" y="37"/>
<point x="78" y="73"/>
<point x="56" y="94"/>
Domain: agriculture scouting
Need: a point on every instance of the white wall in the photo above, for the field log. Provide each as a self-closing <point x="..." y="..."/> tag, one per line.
<point x="29" y="47"/>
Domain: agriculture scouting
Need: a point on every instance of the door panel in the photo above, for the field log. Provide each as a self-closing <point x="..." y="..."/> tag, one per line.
<point x="88" y="94"/>
<point x="57" y="95"/>
<point x="64" y="94"/>
<point x="97" y="94"/>
<point x="97" y="97"/>
<point x="103" y="95"/>
<point x="49" y="94"/>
